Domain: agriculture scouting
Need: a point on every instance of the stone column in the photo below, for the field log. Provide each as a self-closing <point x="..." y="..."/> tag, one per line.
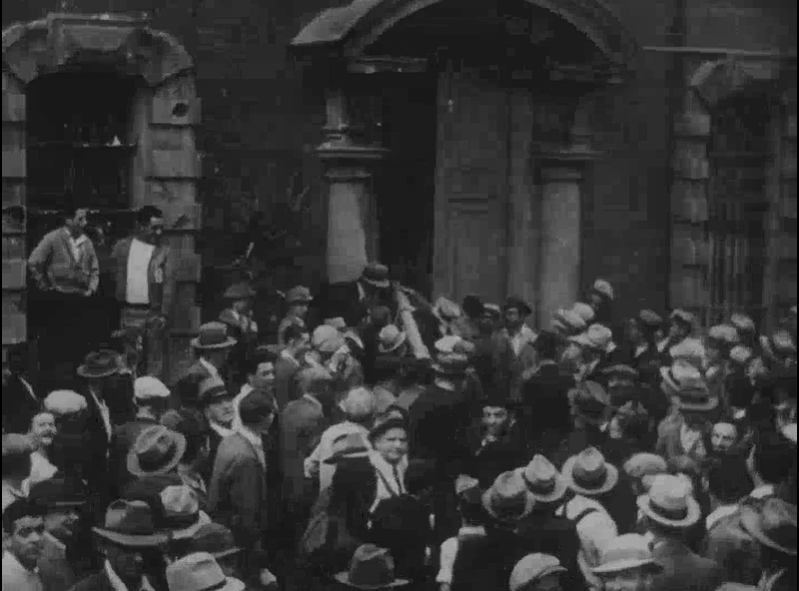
<point x="561" y="174"/>
<point x="352" y="220"/>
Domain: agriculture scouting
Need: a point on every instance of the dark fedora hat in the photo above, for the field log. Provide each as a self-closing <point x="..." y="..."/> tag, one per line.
<point x="213" y="335"/>
<point x="239" y="291"/>
<point x="375" y="274"/>
<point x="59" y="492"/>
<point x="130" y="524"/>
<point x="518" y="304"/>
<point x="773" y="524"/>
<point x="100" y="364"/>
<point x="371" y="567"/>
<point x="508" y="499"/>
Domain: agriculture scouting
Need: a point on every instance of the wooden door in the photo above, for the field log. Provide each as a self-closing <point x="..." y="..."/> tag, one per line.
<point x="471" y="188"/>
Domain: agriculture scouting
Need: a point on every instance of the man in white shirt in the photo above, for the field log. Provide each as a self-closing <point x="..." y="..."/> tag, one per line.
<point x="23" y="530"/>
<point x="144" y="289"/>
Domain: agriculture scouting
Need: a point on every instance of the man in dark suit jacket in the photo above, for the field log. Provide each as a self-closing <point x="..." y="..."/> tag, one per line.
<point x="288" y="363"/>
<point x="545" y="418"/>
<point x="20" y="402"/>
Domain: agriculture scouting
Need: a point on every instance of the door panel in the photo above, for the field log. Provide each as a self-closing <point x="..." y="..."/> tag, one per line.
<point x="471" y="188"/>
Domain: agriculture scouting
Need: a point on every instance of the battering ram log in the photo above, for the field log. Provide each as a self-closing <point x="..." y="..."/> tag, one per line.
<point x="405" y="310"/>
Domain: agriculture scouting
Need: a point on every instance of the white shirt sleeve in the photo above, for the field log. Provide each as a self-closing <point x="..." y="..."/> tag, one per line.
<point x="449" y="550"/>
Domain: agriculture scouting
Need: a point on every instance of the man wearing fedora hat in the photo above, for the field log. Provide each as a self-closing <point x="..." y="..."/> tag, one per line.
<point x="512" y="353"/>
<point x="212" y="348"/>
<point x="238" y="317"/>
<point x="627" y="564"/>
<point x="126" y="535"/>
<point x="200" y="572"/>
<point x="668" y="511"/>
<point x="145" y="289"/>
<point x="297" y="300"/>
<point x="681" y="325"/>
<point x="371" y="567"/>
<point x="772" y="524"/>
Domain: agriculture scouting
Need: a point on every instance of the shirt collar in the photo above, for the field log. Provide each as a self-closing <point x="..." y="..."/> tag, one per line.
<point x="762" y="491"/>
<point x="118" y="585"/>
<point x="250" y="436"/>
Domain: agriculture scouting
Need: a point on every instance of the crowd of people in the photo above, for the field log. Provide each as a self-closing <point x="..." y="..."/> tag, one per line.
<point x="435" y="446"/>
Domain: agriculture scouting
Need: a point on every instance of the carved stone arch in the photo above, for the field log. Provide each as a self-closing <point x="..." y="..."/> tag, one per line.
<point x="710" y="85"/>
<point x="166" y="164"/>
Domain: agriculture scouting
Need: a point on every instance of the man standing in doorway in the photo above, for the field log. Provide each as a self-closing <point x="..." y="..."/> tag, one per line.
<point x="64" y="266"/>
<point x="144" y="290"/>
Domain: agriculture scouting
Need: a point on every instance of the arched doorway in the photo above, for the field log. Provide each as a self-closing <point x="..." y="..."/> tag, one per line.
<point x="119" y="134"/>
<point x="497" y="157"/>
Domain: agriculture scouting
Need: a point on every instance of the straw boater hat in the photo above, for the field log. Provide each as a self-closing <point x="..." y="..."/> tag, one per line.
<point x="531" y="568"/>
<point x="773" y="524"/>
<point x="446" y="310"/>
<point x="215" y="539"/>
<point x="157" y="450"/>
<point x="200" y="572"/>
<point x="376" y="275"/>
<point x="649" y="319"/>
<point x="348" y="446"/>
<point x="182" y="515"/>
<point x="779" y="345"/>
<point x="543" y="480"/>
<point x="464" y="483"/>
<point x="338" y="323"/>
<point x="669" y="502"/>
<point x="451" y="364"/>
<point x="239" y="291"/>
<point x="298" y="295"/>
<point x="690" y="350"/>
<point x="100" y="364"/>
<point x="680" y="376"/>
<point x="371" y="567"/>
<point x="568" y="321"/>
<point x="390" y="339"/>
<point x="743" y="323"/>
<point x="723" y="334"/>
<point x="130" y="524"/>
<point x="589" y="474"/>
<point x="693" y="395"/>
<point x="147" y="388"/>
<point x="684" y="317"/>
<point x="65" y="402"/>
<point x="213" y="335"/>
<point x="327" y="339"/>
<point x="741" y="354"/>
<point x="596" y="338"/>
<point x="626" y="552"/>
<point x="621" y="371"/>
<point x="644" y="467"/>
<point x="508" y="499"/>
<point x="492" y="311"/>
<point x="584" y="311"/>
<point x="603" y="288"/>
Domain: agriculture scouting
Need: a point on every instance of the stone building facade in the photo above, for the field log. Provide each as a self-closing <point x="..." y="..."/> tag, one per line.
<point x="498" y="147"/>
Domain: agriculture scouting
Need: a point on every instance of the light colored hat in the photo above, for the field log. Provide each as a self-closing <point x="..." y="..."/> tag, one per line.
<point x="508" y="498"/>
<point x="687" y="383"/>
<point x="584" y="311"/>
<point x="309" y="377"/>
<point x="199" y="572"/>
<point x="625" y="552"/>
<point x="724" y="333"/>
<point x="338" y="323"/>
<point x="157" y="450"/>
<point x="216" y="539"/>
<point x="464" y="483"/>
<point x="645" y="465"/>
<point x="299" y="295"/>
<point x="447" y="344"/>
<point x="359" y="403"/>
<point x="213" y="335"/>
<point x="683" y="316"/>
<point x="447" y="309"/>
<point x="789" y="431"/>
<point x="327" y="339"/>
<point x="543" y="480"/>
<point x="691" y="350"/>
<point x="182" y="512"/>
<point x="597" y="337"/>
<point x="148" y="388"/>
<point x="130" y="524"/>
<point x="742" y="322"/>
<point x="741" y="354"/>
<point x="493" y="310"/>
<point x="569" y="321"/>
<point x="532" y="568"/>
<point x="773" y="524"/>
<point x="650" y="319"/>
<point x="371" y="567"/>
<point x="603" y="288"/>
<point x="390" y="338"/>
<point x="669" y="502"/>
<point x="779" y="345"/>
<point x="64" y="402"/>
<point x="210" y="389"/>
<point x="587" y="473"/>
<point x="451" y="364"/>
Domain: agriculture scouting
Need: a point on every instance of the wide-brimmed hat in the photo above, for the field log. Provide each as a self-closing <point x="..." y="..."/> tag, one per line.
<point x="508" y="499"/>
<point x="686" y="382"/>
<point x="157" y="450"/>
<point x="492" y="311"/>
<point x="239" y="291"/>
<point x="371" y="567"/>
<point x="338" y="323"/>
<point x="446" y="309"/>
<point x="670" y="502"/>
<point x="519" y="304"/>
<point x="743" y="323"/>
<point x="723" y="334"/>
<point x="100" y="364"/>
<point x="390" y="338"/>
<point x="779" y="345"/>
<point x="453" y="344"/>
<point x="385" y="423"/>
<point x="451" y="364"/>
<point x="587" y="473"/>
<point x="464" y="483"/>
<point x="591" y="401"/>
<point x="375" y="274"/>
<point x="200" y="572"/>
<point x="650" y="319"/>
<point x="130" y="524"/>
<point x="584" y="311"/>
<point x="182" y="515"/>
<point x="683" y="316"/>
<point x="60" y="491"/>
<point x="327" y="339"/>
<point x="603" y="288"/>
<point x="597" y="338"/>
<point x="298" y="295"/>
<point x="690" y="350"/>
<point x="533" y="567"/>
<point x="645" y="465"/>
<point x="626" y="552"/>
<point x="359" y="403"/>
<point x="216" y="539"/>
<point x="741" y="354"/>
<point x="773" y="524"/>
<point x="543" y="480"/>
<point x="568" y="321"/>
<point x="210" y="389"/>
<point x="213" y="335"/>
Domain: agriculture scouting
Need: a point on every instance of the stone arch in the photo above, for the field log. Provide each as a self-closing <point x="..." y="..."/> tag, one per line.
<point x="165" y="164"/>
<point x="352" y="28"/>
<point x="710" y="85"/>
